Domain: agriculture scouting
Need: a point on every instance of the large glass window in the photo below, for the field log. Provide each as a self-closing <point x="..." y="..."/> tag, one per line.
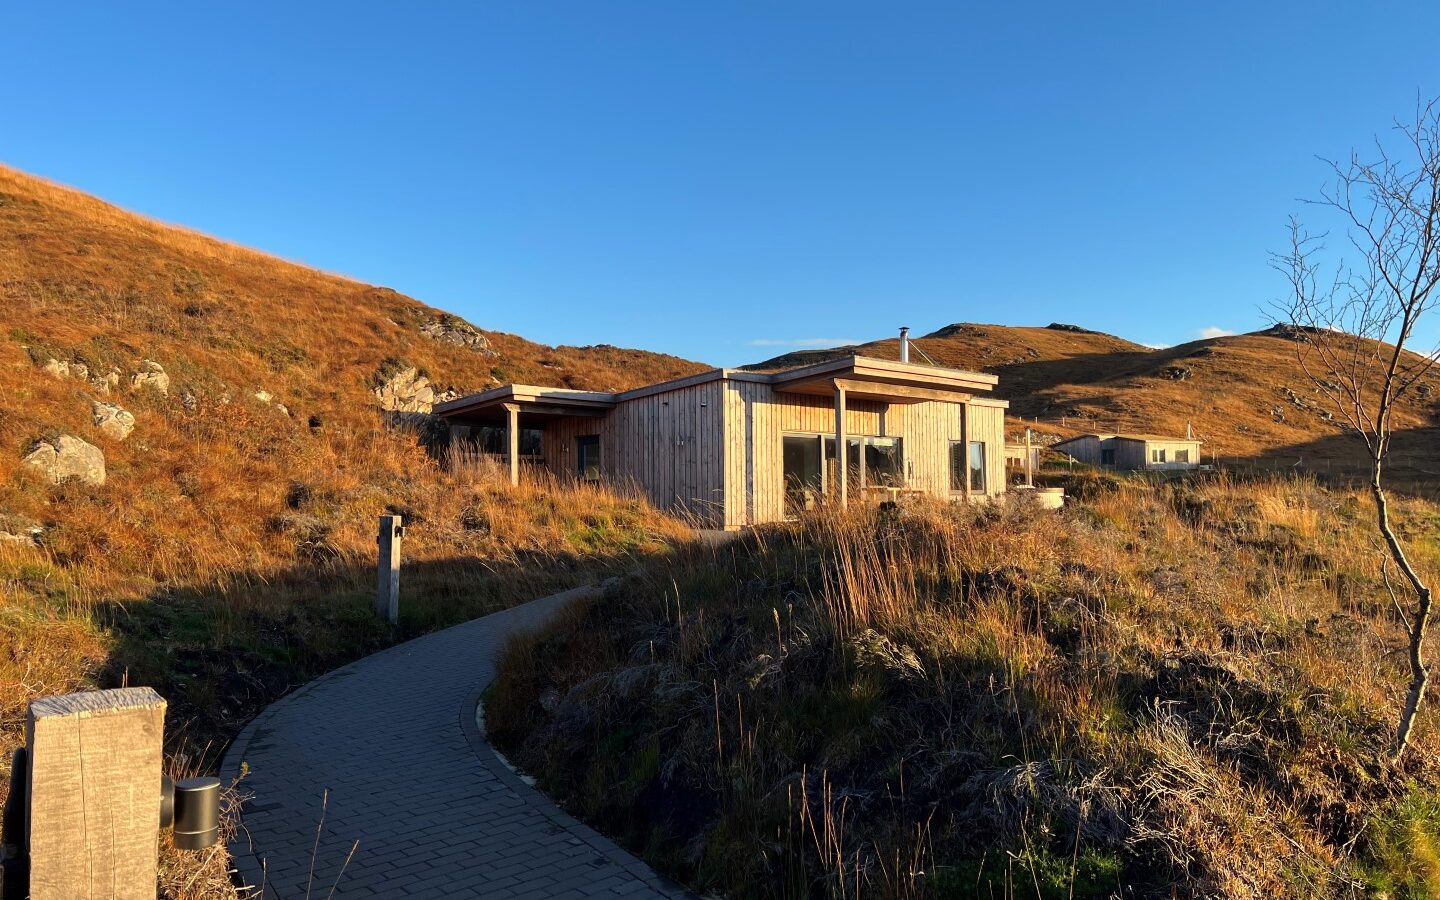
<point x="491" y="439"/>
<point x="587" y="455"/>
<point x="1182" y="456"/>
<point x="1157" y="455"/>
<point x="977" y="466"/>
<point x="810" y="470"/>
<point x="957" y="466"/>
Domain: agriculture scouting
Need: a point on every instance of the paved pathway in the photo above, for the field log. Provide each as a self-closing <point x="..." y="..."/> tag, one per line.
<point x="436" y="813"/>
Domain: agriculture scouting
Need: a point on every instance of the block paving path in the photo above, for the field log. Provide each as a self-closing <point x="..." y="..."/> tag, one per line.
<point x="435" y="812"/>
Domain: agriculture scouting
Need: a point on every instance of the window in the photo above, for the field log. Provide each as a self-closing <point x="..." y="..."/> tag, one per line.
<point x="492" y="439"/>
<point x="809" y="468"/>
<point x="800" y="464"/>
<point x="1182" y="456"/>
<point x="1157" y="455"/>
<point x="1107" y="457"/>
<point x="967" y="466"/>
<point x="884" y="463"/>
<point x="587" y="456"/>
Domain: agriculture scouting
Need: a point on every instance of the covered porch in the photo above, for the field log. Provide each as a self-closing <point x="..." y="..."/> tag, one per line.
<point x="875" y="464"/>
<point x="518" y="423"/>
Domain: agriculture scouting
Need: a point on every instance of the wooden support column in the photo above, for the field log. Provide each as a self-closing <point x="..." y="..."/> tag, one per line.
<point x="1029" y="461"/>
<point x="965" y="447"/>
<point x="512" y="440"/>
<point x="841" y="475"/>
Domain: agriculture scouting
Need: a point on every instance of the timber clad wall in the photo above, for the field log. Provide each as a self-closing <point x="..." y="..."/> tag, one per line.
<point x="668" y="445"/>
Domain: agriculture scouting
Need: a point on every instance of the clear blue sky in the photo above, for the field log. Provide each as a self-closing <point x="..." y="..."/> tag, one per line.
<point x="723" y="180"/>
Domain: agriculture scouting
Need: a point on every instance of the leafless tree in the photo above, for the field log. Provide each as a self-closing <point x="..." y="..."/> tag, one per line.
<point x="1355" y="326"/>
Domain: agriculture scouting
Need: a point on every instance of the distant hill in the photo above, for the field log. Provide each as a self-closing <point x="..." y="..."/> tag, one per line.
<point x="1245" y="395"/>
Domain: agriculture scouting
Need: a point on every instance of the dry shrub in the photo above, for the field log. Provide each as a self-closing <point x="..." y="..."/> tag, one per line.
<point x="1182" y="688"/>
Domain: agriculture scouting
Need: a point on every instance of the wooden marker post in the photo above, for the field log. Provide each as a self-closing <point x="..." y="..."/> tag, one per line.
<point x="1029" y="461"/>
<point x="94" y="794"/>
<point x="387" y="572"/>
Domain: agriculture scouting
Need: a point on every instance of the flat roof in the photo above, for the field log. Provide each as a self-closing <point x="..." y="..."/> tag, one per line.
<point x="863" y="377"/>
<point x="1141" y="438"/>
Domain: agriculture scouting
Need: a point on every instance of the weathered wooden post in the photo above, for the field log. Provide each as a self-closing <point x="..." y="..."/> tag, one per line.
<point x="1029" y="461"/>
<point x="387" y="575"/>
<point x="94" y="790"/>
<point x="842" y="477"/>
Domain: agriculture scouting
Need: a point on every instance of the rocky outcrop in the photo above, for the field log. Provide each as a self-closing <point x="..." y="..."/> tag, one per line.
<point x="152" y="377"/>
<point x="405" y="390"/>
<point x="66" y="457"/>
<point x="19" y="529"/>
<point x="62" y="368"/>
<point x="450" y="330"/>
<point x="1291" y="332"/>
<point x="113" y="421"/>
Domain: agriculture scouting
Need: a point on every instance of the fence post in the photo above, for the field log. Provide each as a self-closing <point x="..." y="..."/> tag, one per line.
<point x="387" y="575"/>
<point x="94" y="794"/>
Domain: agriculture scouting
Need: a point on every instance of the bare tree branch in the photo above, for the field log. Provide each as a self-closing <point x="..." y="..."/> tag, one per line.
<point x="1355" y="331"/>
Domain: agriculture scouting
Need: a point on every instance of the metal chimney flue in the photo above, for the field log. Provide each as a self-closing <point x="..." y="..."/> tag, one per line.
<point x="904" y="344"/>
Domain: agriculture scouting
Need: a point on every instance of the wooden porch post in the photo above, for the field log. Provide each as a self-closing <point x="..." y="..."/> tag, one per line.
<point x="1029" y="461"/>
<point x="512" y="440"/>
<point x="965" y="447"/>
<point x="840" y="449"/>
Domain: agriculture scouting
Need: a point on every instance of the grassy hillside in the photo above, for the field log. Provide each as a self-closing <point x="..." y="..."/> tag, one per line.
<point x="1246" y="396"/>
<point x="1174" y="690"/>
<point x="226" y="557"/>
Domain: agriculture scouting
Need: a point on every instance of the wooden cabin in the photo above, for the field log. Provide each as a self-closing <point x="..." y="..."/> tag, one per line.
<point x="1134" y="452"/>
<point x="735" y="448"/>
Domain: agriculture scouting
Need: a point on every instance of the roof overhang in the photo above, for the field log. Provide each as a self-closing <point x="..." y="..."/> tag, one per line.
<point x="530" y="400"/>
<point x="880" y="379"/>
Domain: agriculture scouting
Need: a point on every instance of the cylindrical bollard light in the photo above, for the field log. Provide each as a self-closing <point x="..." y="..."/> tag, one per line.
<point x="197" y="813"/>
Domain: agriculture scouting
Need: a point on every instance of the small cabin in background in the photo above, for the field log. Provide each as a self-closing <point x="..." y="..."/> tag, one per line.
<point x="734" y="448"/>
<point x="1132" y="452"/>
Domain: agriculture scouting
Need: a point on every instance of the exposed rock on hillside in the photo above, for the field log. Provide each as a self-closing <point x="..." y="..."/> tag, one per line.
<point x="63" y="368"/>
<point x="151" y="375"/>
<point x="405" y="390"/>
<point x="112" y="420"/>
<point x="68" y="457"/>
<point x="18" y="529"/>
<point x="451" y="330"/>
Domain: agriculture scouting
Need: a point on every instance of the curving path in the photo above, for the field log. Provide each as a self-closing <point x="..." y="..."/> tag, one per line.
<point x="435" y="812"/>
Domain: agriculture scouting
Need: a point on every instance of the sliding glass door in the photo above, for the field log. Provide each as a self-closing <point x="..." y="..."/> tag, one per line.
<point x="810" y="469"/>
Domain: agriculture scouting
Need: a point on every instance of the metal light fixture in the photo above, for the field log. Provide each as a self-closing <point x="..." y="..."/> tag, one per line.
<point x="192" y="807"/>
